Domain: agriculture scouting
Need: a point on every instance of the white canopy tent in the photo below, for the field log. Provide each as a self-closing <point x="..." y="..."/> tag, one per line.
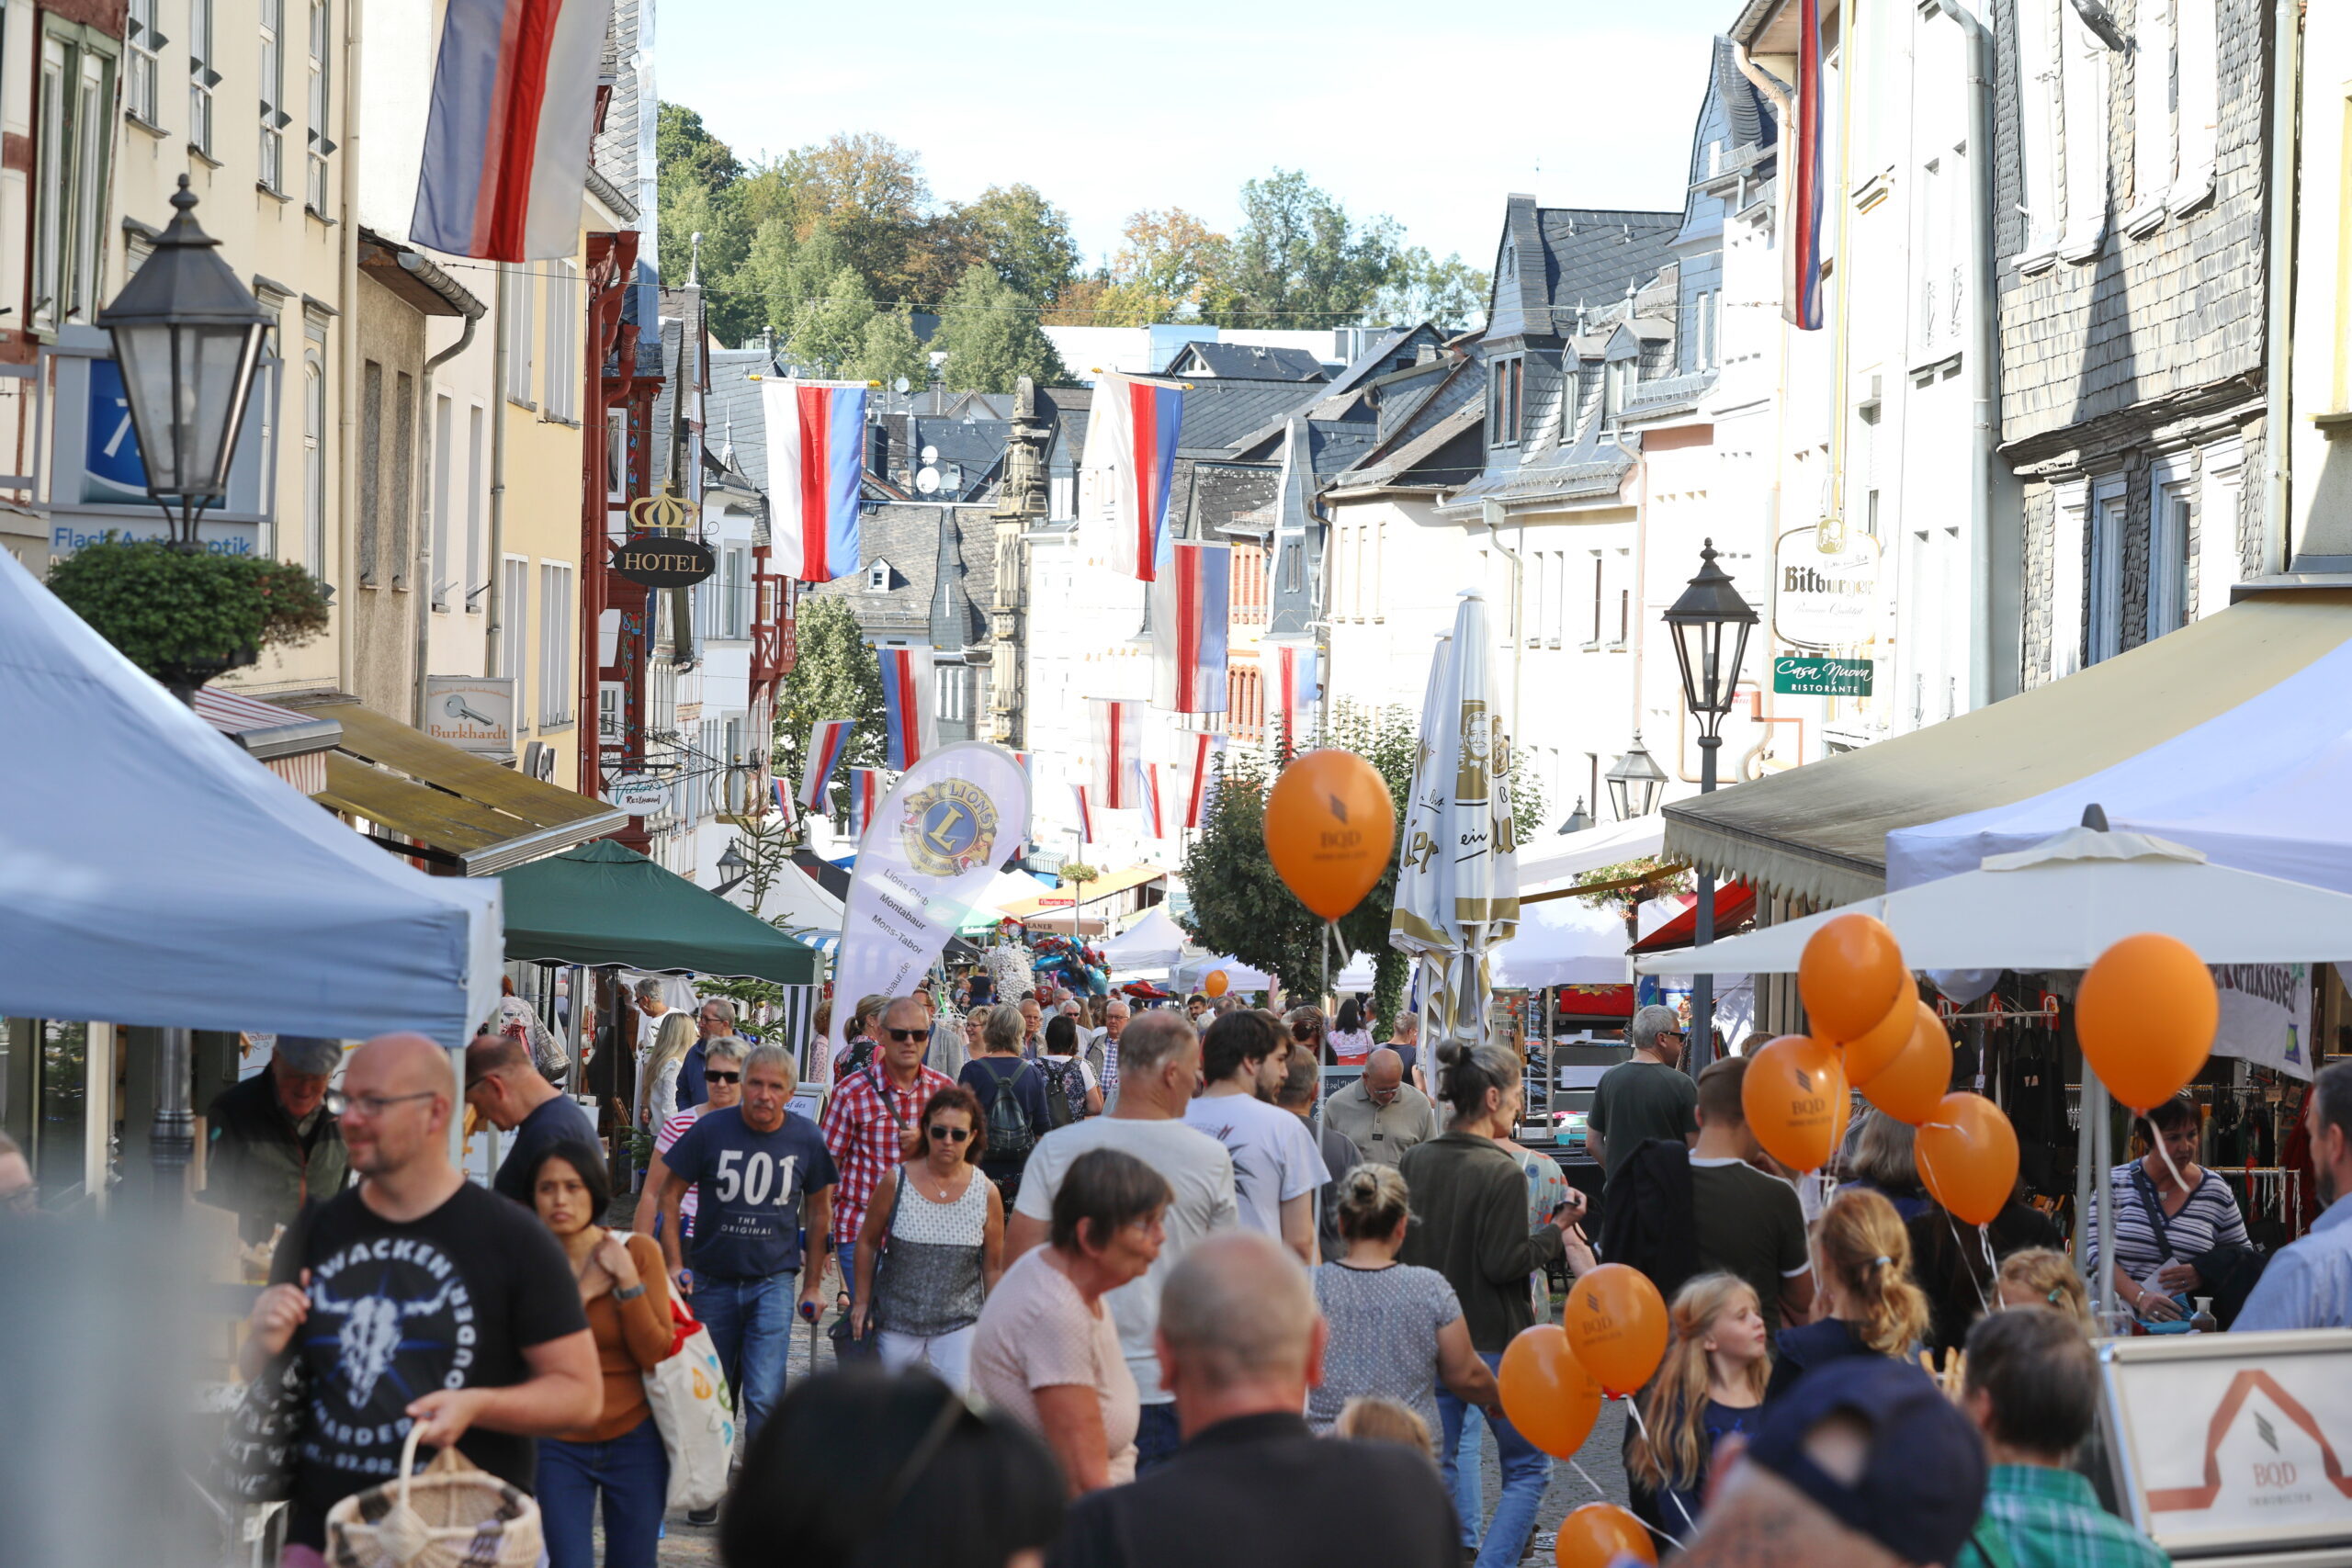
<point x="151" y="872"/>
<point x="1564" y="941"/>
<point x="797" y="902"/>
<point x="1192" y="972"/>
<point x="1008" y="889"/>
<point x="1154" y="945"/>
<point x="1545" y="865"/>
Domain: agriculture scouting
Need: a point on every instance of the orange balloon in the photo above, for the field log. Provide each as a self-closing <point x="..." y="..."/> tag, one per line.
<point x="1794" y="1096"/>
<point x="1329" y="828"/>
<point x="1616" y="1325"/>
<point x="1598" y="1534"/>
<point x="1851" y="973"/>
<point x="1967" y="1154"/>
<point x="1910" y="1088"/>
<point x="1216" y="983"/>
<point x="1547" y="1393"/>
<point x="2145" y="1017"/>
<point x="1875" y="1049"/>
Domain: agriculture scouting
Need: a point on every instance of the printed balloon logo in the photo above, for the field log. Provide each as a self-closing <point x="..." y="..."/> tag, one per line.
<point x="1329" y="828"/>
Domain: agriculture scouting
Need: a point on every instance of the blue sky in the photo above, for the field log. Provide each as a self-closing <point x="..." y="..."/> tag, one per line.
<point x="1428" y="110"/>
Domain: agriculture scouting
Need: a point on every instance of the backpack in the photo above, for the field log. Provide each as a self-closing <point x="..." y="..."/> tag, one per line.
<point x="1646" y="1214"/>
<point x="1065" y="1093"/>
<point x="1010" y="1137"/>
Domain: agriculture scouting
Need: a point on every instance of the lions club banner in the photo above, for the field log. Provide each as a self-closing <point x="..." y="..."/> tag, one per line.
<point x="928" y="852"/>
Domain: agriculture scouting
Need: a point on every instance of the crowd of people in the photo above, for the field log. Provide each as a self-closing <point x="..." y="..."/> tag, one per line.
<point x="1113" y="1293"/>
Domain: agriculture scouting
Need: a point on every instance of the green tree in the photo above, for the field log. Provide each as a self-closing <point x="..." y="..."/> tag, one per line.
<point x="828" y="330"/>
<point x="1167" y="265"/>
<point x="1298" y="260"/>
<point x="834" y="675"/>
<point x="697" y="191"/>
<point x="891" y="351"/>
<point x="685" y="149"/>
<point x="992" y="337"/>
<point x="870" y="193"/>
<point x="1451" y="294"/>
<point x="1025" y="238"/>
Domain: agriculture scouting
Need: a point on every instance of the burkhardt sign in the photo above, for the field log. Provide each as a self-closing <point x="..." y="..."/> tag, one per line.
<point x="1824" y="587"/>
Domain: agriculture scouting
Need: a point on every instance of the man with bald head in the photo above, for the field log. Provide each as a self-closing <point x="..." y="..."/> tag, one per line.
<point x="417" y="1298"/>
<point x="1240" y="1343"/>
<point x="1380" y="1113"/>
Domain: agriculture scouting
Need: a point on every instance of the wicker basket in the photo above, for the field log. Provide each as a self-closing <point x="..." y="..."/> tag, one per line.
<point x="456" y="1515"/>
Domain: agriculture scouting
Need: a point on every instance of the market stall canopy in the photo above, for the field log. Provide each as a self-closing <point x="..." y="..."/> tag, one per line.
<point x="2060" y="904"/>
<point x="1048" y="900"/>
<point x="1820" y="833"/>
<point x="1735" y="906"/>
<point x="1545" y="864"/>
<point x="1156" y="942"/>
<point x="465" y="811"/>
<point x="1238" y="976"/>
<point x="796" y="903"/>
<point x="1564" y="941"/>
<point x="1009" y="889"/>
<point x="604" y="903"/>
<point x="156" y="874"/>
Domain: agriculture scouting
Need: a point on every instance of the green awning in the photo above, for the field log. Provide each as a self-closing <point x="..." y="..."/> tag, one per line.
<point x="602" y="902"/>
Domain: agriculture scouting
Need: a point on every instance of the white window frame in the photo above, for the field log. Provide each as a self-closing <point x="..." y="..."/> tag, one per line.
<point x="877" y="577"/>
<point x="2155" y="51"/>
<point x="73" y="137"/>
<point x="2222" y="486"/>
<point x="269" y="26"/>
<point x="201" y="78"/>
<point x="2103" y="591"/>
<point x="2196" y="119"/>
<point x="2069" y="526"/>
<point x="952" y="686"/>
<point x="477" y="444"/>
<point x="515" y="625"/>
<point x="318" y="145"/>
<point x="563" y="330"/>
<point x="445" y="573"/>
<point x="1539" y="596"/>
<point x="556" y="621"/>
<point x="142" y="66"/>
<point x="314" y="445"/>
<point x="2039" y="77"/>
<point x="735" y="578"/>
<point x="516" y="317"/>
<point x="2173" y="501"/>
<point x="1599" y="597"/>
<point x="2085" y="82"/>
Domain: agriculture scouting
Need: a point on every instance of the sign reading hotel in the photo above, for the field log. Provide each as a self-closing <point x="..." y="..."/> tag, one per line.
<point x="474" y="712"/>
<point x="1824" y="587"/>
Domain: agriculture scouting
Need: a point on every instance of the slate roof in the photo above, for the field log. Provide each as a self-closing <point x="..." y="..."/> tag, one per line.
<point x="731" y="411"/>
<point x="1207" y="498"/>
<point x="908" y="536"/>
<point x="1247" y="362"/>
<point x="1219" y="415"/>
<point x="1588" y="256"/>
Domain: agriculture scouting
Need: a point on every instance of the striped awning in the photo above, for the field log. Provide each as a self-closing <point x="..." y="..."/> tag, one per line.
<point x="290" y="743"/>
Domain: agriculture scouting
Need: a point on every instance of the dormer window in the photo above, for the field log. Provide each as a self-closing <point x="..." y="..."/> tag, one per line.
<point x="1617" y="381"/>
<point x="877" y="578"/>
<point x="1510" y="262"/>
<point x="1506" y="400"/>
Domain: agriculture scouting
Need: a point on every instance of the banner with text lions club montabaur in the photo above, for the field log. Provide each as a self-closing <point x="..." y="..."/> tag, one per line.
<point x="926" y="855"/>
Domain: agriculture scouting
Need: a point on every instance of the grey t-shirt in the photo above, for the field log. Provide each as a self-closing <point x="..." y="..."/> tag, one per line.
<point x="1384" y="1324"/>
<point x="1639" y="1100"/>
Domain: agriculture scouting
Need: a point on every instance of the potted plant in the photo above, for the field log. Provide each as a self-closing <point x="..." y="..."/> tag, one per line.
<point x="186" y="616"/>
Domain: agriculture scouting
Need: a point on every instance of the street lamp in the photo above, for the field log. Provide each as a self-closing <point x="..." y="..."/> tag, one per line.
<point x="1710" y="612"/>
<point x="1578" y="820"/>
<point x="1635" y="782"/>
<point x="731" y="866"/>
<point x="188" y="337"/>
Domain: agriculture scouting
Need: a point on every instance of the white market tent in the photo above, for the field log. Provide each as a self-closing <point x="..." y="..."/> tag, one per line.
<point x="1194" y="972"/>
<point x="1564" y="941"/>
<point x="151" y="872"/>
<point x="1155" y="942"/>
<point x="797" y="902"/>
<point x="1548" y="865"/>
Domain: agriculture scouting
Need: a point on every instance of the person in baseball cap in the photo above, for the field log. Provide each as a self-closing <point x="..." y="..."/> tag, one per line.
<point x="1863" y="1464"/>
<point x="272" y="1145"/>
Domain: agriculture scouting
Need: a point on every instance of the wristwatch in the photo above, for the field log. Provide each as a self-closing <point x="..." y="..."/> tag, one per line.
<point x="631" y="1294"/>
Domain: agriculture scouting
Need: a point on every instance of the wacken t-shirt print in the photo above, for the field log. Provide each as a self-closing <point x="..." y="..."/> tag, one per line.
<point x="448" y="1301"/>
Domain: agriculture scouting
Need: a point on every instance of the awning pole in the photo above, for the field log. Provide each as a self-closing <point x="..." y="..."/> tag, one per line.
<point x="2094" y="1104"/>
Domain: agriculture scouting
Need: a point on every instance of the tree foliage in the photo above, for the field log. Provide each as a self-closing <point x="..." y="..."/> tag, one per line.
<point x="991" y="338"/>
<point x="1451" y="294"/>
<point x="834" y="675"/>
<point x="163" y="607"/>
<point x="1298" y="260"/>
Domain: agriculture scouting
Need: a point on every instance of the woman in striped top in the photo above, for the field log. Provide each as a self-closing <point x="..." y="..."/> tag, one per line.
<point x="723" y="1073"/>
<point x="2169" y="1211"/>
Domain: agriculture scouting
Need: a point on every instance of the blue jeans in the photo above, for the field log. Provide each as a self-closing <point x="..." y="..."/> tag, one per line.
<point x="1157" y="1437"/>
<point x="632" y="1471"/>
<point x="1527" y="1470"/>
<point x="750" y="1327"/>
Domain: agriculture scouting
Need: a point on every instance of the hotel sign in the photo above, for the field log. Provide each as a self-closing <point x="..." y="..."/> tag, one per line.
<point x="663" y="560"/>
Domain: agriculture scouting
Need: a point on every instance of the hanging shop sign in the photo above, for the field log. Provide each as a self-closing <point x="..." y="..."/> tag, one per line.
<point x="664" y="560"/>
<point x="1824" y="587"/>
<point x="474" y="712"/>
<point x="1821" y="676"/>
<point x="2265" y="1016"/>
<point x="638" y="794"/>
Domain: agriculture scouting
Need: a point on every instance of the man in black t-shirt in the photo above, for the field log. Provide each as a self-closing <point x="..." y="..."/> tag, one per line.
<point x="417" y="1298"/>
<point x="502" y="1084"/>
<point x="1646" y="1097"/>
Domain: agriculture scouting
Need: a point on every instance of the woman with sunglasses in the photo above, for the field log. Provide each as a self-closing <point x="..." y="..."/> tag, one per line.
<point x="723" y="1072"/>
<point x="932" y="1245"/>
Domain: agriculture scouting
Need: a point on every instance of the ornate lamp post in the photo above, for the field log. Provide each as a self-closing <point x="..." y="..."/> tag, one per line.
<point x="1710" y="624"/>
<point x="1578" y="820"/>
<point x="1634" y="783"/>
<point x="189" y="338"/>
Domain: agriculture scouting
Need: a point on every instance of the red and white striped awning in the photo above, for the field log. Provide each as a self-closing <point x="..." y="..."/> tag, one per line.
<point x="290" y="743"/>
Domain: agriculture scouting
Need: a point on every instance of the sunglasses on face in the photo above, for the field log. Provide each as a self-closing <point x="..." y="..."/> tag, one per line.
<point x="722" y="1077"/>
<point x="904" y="1035"/>
<point x="949" y="1135"/>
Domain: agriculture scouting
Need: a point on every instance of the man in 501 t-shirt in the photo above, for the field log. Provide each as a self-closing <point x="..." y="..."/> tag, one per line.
<point x="1648" y="1097"/>
<point x="760" y="1176"/>
<point x="417" y="1298"/>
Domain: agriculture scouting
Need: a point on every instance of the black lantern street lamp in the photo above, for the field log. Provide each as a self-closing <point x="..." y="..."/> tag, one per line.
<point x="1709" y="624"/>
<point x="733" y="867"/>
<point x="189" y="338"/>
<point x="1634" y="783"/>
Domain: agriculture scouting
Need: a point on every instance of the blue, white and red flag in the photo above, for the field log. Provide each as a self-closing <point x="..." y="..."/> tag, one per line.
<point x="1197" y="775"/>
<point x="784" y="801"/>
<point x="1801" y="257"/>
<point x="911" y="733"/>
<point x="1191" y="604"/>
<point x="866" y="793"/>
<point x="1085" y="815"/>
<point x="1148" y="793"/>
<point x="1297" y="685"/>
<point x="816" y="433"/>
<point x="507" y="139"/>
<point x="1117" y="730"/>
<point x="1129" y="463"/>
<point x="828" y="739"/>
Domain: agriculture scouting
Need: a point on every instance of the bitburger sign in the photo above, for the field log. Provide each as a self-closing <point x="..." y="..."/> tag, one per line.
<point x="663" y="560"/>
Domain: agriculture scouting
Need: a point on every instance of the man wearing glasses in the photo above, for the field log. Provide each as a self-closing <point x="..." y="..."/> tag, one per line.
<point x="502" y="1084"/>
<point x="1648" y="1097"/>
<point x="870" y="1111"/>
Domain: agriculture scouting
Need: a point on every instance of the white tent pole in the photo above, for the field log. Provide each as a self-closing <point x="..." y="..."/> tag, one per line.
<point x="2102" y="1158"/>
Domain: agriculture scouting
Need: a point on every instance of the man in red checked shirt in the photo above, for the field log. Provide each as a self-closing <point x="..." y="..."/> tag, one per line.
<point x="870" y="1112"/>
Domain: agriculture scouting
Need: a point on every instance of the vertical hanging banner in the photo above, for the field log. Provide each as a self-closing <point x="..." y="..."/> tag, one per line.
<point x="507" y="139"/>
<point x="815" y="436"/>
<point x="1292" y="670"/>
<point x="931" y="849"/>
<point x="910" y="731"/>
<point x="865" y="793"/>
<point x="1129" y="464"/>
<point x="1199" y="778"/>
<point x="1115" y="724"/>
<point x="1801" y="253"/>
<point x="1085" y="814"/>
<point x="1191" y="604"/>
<point x="1147" y="796"/>
<point x="828" y="739"/>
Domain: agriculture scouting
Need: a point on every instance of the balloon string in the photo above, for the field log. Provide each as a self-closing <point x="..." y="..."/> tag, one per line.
<point x="2165" y="1154"/>
<point x="1633" y="1409"/>
<point x="1597" y="1487"/>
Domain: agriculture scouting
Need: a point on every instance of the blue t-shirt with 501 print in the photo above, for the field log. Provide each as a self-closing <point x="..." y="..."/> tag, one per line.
<point x="749" y="1190"/>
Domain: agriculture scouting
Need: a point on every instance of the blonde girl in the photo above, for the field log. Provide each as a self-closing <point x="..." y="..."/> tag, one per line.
<point x="1709" y="1384"/>
<point x="1870" y="1307"/>
<point x="2038" y="1276"/>
<point x="659" y="1077"/>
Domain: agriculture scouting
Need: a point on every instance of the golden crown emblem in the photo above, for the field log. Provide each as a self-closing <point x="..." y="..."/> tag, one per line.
<point x="660" y="513"/>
